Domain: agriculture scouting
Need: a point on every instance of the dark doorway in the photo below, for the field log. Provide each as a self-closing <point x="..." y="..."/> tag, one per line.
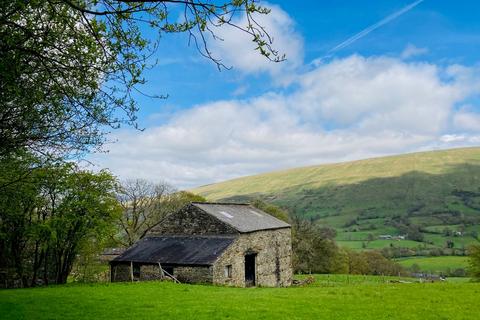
<point x="168" y="270"/>
<point x="250" y="270"/>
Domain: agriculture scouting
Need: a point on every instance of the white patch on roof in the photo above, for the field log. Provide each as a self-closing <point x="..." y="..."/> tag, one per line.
<point x="226" y="214"/>
<point x="242" y="217"/>
<point x="256" y="213"/>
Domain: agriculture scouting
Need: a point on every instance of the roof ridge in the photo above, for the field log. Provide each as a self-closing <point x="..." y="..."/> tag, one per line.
<point x="209" y="236"/>
<point x="222" y="203"/>
<point x="238" y="220"/>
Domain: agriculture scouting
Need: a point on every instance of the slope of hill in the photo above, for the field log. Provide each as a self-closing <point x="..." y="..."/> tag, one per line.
<point x="432" y="197"/>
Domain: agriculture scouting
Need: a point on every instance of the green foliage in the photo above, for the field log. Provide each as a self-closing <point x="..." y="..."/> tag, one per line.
<point x="88" y="268"/>
<point x="68" y="68"/>
<point x="474" y="253"/>
<point x="371" y="263"/>
<point x="314" y="250"/>
<point x="49" y="217"/>
<point x="271" y="209"/>
<point x="186" y="197"/>
<point x="329" y="297"/>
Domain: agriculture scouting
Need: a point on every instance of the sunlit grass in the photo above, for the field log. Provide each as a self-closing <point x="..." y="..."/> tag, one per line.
<point x="330" y="297"/>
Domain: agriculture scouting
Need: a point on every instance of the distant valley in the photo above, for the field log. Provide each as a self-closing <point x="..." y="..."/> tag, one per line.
<point x="422" y="203"/>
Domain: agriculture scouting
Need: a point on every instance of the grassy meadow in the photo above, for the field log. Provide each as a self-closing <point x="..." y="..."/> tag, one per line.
<point x="347" y="173"/>
<point x="330" y="297"/>
<point x="435" y="264"/>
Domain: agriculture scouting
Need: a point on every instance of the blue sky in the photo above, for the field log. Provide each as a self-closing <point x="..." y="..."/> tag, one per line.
<point x="409" y="85"/>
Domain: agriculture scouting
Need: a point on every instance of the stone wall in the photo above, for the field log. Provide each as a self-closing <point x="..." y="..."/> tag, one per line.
<point x="193" y="221"/>
<point x="120" y="272"/>
<point x="184" y="274"/>
<point x="197" y="274"/>
<point x="150" y="272"/>
<point x="273" y="263"/>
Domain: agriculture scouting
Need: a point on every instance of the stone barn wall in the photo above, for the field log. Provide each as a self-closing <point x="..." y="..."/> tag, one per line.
<point x="150" y="272"/>
<point x="273" y="262"/>
<point x="193" y="221"/>
<point x="197" y="274"/>
<point x="120" y="272"/>
<point x="184" y="274"/>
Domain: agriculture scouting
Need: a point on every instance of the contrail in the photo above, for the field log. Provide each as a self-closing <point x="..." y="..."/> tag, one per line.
<point x="373" y="27"/>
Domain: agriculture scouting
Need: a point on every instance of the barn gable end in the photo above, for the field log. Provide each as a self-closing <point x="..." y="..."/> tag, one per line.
<point x="192" y="220"/>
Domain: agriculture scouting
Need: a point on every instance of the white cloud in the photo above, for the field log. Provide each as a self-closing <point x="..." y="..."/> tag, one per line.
<point x="466" y="121"/>
<point x="374" y="94"/>
<point x="348" y="109"/>
<point x="237" y="48"/>
<point x="411" y="51"/>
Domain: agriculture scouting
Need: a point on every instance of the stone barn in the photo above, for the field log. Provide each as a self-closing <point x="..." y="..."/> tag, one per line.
<point x="219" y="243"/>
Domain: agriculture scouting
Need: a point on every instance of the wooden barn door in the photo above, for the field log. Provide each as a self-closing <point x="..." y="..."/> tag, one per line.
<point x="250" y="270"/>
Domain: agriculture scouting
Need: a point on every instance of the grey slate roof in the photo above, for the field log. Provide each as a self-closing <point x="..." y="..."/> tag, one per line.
<point x="243" y="217"/>
<point x="176" y="250"/>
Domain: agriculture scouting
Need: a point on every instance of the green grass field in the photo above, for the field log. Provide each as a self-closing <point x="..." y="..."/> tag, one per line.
<point x="331" y="297"/>
<point x="378" y="244"/>
<point x="435" y="264"/>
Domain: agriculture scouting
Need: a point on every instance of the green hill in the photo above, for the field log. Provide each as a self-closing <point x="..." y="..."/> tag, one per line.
<point x="432" y="197"/>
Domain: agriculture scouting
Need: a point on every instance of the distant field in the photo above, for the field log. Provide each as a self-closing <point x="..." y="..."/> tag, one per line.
<point x="436" y="193"/>
<point x="331" y="297"/>
<point x="435" y="264"/>
<point x="378" y="244"/>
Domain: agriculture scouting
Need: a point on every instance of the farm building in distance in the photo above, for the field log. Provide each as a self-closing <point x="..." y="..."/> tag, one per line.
<point x="219" y="243"/>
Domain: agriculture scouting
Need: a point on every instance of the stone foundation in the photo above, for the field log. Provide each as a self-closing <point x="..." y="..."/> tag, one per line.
<point x="194" y="274"/>
<point x="184" y="274"/>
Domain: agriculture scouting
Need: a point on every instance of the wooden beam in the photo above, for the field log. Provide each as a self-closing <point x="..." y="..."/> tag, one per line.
<point x="131" y="270"/>
<point x="161" y="271"/>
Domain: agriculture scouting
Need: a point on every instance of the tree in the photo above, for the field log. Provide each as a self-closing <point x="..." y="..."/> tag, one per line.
<point x="474" y="265"/>
<point x="271" y="209"/>
<point x="450" y="244"/>
<point x="17" y="211"/>
<point x="68" y="68"/>
<point x="144" y="204"/>
<point x="412" y="231"/>
<point x="379" y="265"/>
<point x="46" y="220"/>
<point x="415" y="268"/>
<point x="370" y="237"/>
<point x="474" y="235"/>
<point x="142" y="208"/>
<point x="83" y="210"/>
<point x="357" y="262"/>
<point x="314" y="250"/>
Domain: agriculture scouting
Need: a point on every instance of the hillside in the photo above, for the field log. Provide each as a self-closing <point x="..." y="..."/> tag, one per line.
<point x="434" y="197"/>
